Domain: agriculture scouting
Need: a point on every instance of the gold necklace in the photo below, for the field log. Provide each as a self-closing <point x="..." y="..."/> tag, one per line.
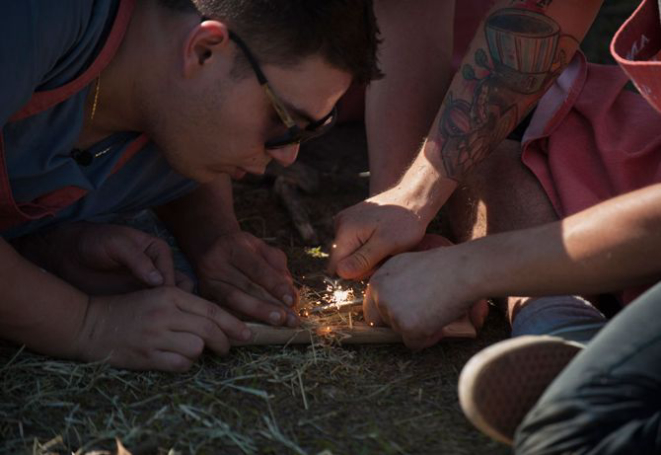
<point x="95" y="103"/>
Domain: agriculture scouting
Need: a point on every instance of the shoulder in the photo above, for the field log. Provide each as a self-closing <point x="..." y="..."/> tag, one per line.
<point x="41" y="38"/>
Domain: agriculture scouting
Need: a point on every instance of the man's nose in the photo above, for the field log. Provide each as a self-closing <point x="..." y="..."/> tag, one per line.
<point x="285" y="156"/>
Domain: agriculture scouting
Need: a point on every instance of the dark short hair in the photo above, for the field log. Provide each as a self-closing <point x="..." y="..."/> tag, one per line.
<point x="283" y="32"/>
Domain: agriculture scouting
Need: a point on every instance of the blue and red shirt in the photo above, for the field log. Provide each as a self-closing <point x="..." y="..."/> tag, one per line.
<point x="50" y="54"/>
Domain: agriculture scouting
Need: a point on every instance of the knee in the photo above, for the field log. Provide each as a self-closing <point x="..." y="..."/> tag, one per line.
<point x="575" y="426"/>
<point x="500" y="168"/>
<point x="552" y="431"/>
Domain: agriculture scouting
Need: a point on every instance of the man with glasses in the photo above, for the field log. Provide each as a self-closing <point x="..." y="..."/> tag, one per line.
<point x="114" y="106"/>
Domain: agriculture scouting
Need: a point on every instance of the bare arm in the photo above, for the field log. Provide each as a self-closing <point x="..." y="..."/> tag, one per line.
<point x="415" y="56"/>
<point x="519" y="50"/>
<point x="609" y="247"/>
<point x="37" y="309"/>
<point x="163" y="328"/>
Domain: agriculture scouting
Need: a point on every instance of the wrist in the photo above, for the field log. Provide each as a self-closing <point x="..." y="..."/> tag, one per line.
<point x="425" y="187"/>
<point x="479" y="265"/>
<point x="88" y="337"/>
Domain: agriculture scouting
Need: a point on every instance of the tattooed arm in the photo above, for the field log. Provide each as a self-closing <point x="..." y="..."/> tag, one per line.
<point x="525" y="46"/>
<point x="520" y="49"/>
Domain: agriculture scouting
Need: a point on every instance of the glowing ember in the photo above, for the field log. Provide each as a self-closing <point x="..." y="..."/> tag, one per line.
<point x="342" y="295"/>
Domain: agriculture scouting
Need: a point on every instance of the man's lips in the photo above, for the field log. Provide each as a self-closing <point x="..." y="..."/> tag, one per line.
<point x="240" y="172"/>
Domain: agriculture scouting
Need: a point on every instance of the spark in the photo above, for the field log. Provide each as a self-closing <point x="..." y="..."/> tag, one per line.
<point x="341" y="295"/>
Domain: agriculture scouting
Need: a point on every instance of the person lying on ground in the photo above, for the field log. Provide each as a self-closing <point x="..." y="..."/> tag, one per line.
<point x="119" y="105"/>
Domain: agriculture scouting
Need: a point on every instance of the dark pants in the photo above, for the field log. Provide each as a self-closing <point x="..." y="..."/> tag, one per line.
<point x="608" y="400"/>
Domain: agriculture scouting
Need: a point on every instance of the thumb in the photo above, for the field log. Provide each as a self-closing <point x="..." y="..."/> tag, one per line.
<point x="139" y="264"/>
<point x="361" y="262"/>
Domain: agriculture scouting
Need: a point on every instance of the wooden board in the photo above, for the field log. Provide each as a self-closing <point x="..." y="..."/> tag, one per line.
<point x="264" y="335"/>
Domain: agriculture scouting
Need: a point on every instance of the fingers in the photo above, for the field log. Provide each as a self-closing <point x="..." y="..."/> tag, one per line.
<point x="370" y="310"/>
<point x="193" y="333"/>
<point x="413" y="333"/>
<point x="362" y="261"/>
<point x="170" y="361"/>
<point x="148" y="258"/>
<point x="343" y="245"/>
<point x="258" y="308"/>
<point x="184" y="282"/>
<point x="278" y="260"/>
<point x="160" y="254"/>
<point x="275" y="257"/>
<point x="227" y="323"/>
<point x="347" y="257"/>
<point x="184" y="339"/>
<point x="418" y="343"/>
<point x="258" y="269"/>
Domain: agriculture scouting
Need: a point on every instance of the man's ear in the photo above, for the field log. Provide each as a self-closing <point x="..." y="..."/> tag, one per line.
<point x="206" y="41"/>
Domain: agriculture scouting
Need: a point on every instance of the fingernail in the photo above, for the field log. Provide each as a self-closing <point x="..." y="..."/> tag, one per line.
<point x="246" y="334"/>
<point x="155" y="278"/>
<point x="275" y="317"/>
<point x="288" y="299"/>
<point x="292" y="321"/>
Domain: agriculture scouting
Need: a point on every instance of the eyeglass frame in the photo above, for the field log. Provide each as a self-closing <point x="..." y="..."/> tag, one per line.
<point x="295" y="135"/>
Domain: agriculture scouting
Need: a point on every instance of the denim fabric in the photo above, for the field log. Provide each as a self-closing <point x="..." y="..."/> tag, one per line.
<point x="565" y="316"/>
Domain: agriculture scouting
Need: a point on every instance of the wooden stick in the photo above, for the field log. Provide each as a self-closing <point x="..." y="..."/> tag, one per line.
<point x="264" y="335"/>
<point x="298" y="174"/>
<point x="343" y="307"/>
<point x="295" y="206"/>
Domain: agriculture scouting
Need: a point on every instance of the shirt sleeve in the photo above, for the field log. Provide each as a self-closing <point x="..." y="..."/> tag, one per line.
<point x="34" y="36"/>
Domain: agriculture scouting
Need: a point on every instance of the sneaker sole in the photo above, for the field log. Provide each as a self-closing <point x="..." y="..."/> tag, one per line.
<point x="500" y="385"/>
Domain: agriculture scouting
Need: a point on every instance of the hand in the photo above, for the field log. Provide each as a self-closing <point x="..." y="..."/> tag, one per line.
<point x="244" y="274"/>
<point x="105" y="259"/>
<point x="367" y="233"/>
<point x="418" y="294"/>
<point x="158" y="329"/>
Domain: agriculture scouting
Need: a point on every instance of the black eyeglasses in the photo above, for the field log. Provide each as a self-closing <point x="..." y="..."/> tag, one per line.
<point x="294" y="134"/>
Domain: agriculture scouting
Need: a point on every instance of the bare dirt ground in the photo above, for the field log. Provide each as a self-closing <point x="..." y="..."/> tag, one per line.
<point x="321" y="399"/>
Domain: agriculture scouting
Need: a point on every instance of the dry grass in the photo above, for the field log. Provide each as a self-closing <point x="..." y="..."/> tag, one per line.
<point x="266" y="400"/>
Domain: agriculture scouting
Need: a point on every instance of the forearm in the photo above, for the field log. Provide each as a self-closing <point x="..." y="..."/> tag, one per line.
<point x="416" y="58"/>
<point x="196" y="220"/>
<point x="529" y="44"/>
<point x="606" y="248"/>
<point x="37" y="309"/>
